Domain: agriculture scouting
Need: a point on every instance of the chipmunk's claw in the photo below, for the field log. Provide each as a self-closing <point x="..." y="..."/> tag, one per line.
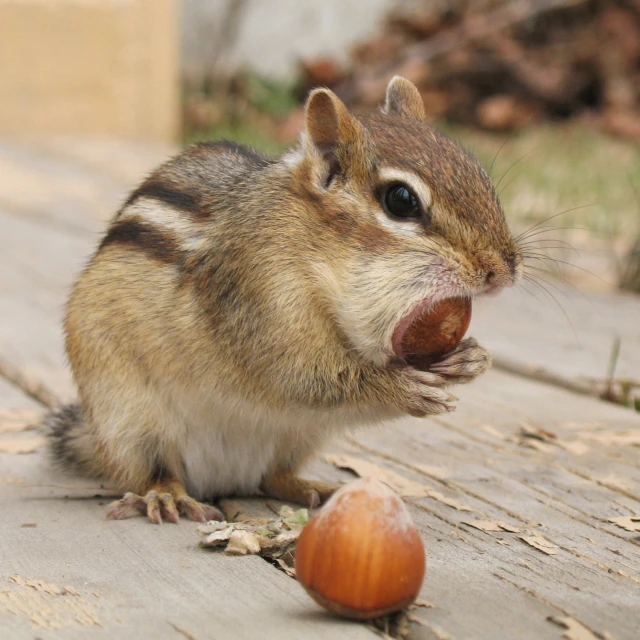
<point x="162" y="506"/>
<point x="465" y="363"/>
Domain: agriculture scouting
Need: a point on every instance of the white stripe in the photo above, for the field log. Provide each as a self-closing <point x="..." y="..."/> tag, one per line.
<point x="165" y="218"/>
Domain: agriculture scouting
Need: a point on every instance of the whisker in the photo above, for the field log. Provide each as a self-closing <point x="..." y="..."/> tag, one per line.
<point x="504" y="175"/>
<point x="555" y="300"/>
<point x="525" y="241"/>
<point x="511" y="167"/>
<point x="539" y="258"/>
<point x="557" y="277"/>
<point x="540" y="280"/>
<point x="575" y="266"/>
<point x="549" y="229"/>
<point x="531" y="293"/>
<point x="506" y="186"/>
<point x="535" y="226"/>
<point x="546" y="247"/>
<point x="497" y="154"/>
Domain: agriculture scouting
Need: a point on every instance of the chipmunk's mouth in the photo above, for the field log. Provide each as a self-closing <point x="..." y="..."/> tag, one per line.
<point x="406" y="322"/>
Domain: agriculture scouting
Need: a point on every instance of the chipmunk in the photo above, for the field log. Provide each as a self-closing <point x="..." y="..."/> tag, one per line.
<point x="241" y="310"/>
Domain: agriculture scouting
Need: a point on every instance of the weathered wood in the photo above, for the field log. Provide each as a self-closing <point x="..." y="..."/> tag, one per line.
<point x="37" y="267"/>
<point x="53" y="205"/>
<point x="566" y="495"/>
<point x="535" y="334"/>
<point x="133" y="579"/>
<point x="554" y="465"/>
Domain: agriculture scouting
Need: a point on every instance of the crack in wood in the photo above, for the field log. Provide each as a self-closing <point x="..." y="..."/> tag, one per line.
<point x="28" y="385"/>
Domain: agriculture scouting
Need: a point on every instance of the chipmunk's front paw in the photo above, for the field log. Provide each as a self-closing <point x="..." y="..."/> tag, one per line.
<point x="465" y="363"/>
<point x="424" y="394"/>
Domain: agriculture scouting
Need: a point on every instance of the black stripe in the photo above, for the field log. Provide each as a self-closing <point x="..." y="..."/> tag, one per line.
<point x="163" y="192"/>
<point x="156" y="244"/>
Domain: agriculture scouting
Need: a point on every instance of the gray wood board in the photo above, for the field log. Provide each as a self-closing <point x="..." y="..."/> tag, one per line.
<point x="564" y="485"/>
<point x="577" y="346"/>
<point x="563" y="488"/>
<point x="129" y="578"/>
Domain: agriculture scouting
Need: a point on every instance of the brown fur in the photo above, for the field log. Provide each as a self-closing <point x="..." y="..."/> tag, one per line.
<point x="250" y="303"/>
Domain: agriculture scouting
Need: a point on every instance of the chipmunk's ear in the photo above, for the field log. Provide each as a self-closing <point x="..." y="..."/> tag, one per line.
<point x="328" y="125"/>
<point x="403" y="99"/>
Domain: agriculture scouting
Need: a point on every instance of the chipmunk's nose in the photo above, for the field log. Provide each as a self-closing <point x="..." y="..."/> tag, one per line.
<point x="504" y="273"/>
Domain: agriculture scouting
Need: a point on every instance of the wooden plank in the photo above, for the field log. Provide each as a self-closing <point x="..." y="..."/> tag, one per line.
<point x="12" y="398"/>
<point x="483" y="584"/>
<point x="476" y="457"/>
<point x="468" y="599"/>
<point x="124" y="161"/>
<point x="53" y="206"/>
<point x="537" y="335"/>
<point x="133" y="579"/>
<point x="38" y="265"/>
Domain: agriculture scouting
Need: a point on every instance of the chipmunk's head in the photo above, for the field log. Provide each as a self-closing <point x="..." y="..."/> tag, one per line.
<point x="408" y="216"/>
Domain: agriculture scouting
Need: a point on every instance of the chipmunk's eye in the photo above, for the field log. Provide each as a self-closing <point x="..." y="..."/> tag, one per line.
<point x="399" y="201"/>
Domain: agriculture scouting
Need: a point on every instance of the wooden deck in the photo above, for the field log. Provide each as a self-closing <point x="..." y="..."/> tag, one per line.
<point x="527" y="497"/>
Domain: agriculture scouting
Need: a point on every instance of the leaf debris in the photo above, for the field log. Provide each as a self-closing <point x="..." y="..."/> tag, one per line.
<point x="541" y="544"/>
<point x="628" y="523"/>
<point x="403" y="486"/>
<point x="576" y="630"/>
<point x="492" y="525"/>
<point x="271" y="538"/>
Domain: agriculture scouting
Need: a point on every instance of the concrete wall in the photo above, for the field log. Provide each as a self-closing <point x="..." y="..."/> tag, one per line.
<point x="270" y="36"/>
<point x="90" y="66"/>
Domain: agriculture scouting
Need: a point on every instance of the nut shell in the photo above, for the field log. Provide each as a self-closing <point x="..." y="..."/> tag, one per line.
<point x="361" y="556"/>
<point x="436" y="332"/>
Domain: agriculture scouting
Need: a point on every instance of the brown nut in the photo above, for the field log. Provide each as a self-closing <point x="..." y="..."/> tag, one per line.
<point x="361" y="556"/>
<point x="436" y="332"/>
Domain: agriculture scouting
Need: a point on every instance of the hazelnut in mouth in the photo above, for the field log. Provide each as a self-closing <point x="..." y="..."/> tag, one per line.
<point x="431" y="331"/>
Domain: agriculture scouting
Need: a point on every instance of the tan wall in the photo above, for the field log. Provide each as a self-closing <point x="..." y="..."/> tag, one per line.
<point x="90" y="66"/>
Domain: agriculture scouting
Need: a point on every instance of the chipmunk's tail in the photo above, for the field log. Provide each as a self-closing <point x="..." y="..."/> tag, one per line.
<point x="71" y="443"/>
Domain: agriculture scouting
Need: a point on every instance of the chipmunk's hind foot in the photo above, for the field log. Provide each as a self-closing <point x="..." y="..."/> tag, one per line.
<point x="165" y="501"/>
<point x="288" y="487"/>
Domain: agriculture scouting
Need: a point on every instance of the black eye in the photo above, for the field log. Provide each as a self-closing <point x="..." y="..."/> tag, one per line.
<point x="400" y="201"/>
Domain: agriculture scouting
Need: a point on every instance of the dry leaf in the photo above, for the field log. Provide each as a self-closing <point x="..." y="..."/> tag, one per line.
<point x="537" y="433"/>
<point x="242" y="543"/>
<point x="403" y="486"/>
<point x="291" y="572"/>
<point x="541" y="439"/>
<point x="232" y="510"/>
<point x="628" y="523"/>
<point x="14" y="420"/>
<point x="538" y="542"/>
<point x="21" y="444"/>
<point x="574" y="629"/>
<point x="420" y="602"/>
<point x="271" y="538"/>
<point x="492" y="525"/>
